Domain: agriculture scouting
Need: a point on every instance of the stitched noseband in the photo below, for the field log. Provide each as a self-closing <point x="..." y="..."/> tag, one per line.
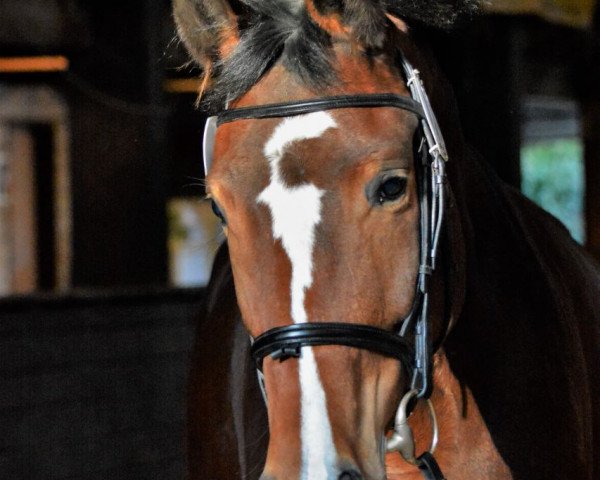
<point x="285" y="342"/>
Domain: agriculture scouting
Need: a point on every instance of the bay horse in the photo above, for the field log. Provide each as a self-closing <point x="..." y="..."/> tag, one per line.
<point x="374" y="266"/>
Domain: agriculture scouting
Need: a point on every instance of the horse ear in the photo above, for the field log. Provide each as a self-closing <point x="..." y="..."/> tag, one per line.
<point x="363" y="21"/>
<point x="208" y="28"/>
<point x="399" y="23"/>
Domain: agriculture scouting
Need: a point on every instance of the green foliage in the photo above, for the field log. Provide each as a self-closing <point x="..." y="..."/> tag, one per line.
<point x="552" y="175"/>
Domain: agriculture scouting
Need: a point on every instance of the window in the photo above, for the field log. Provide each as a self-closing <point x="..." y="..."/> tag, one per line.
<point x="552" y="160"/>
<point x="35" y="206"/>
<point x="194" y="238"/>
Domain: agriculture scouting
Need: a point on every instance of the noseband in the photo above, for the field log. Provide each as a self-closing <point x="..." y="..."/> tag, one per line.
<point x="287" y="342"/>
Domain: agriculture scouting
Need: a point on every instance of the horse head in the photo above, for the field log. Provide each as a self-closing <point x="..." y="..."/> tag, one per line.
<point x="324" y="212"/>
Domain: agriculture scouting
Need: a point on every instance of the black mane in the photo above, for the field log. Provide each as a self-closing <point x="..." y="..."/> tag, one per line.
<point x="282" y="30"/>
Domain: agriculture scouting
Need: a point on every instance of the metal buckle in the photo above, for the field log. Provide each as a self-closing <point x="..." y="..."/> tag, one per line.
<point x="208" y="142"/>
<point x="402" y="440"/>
<point x="433" y="133"/>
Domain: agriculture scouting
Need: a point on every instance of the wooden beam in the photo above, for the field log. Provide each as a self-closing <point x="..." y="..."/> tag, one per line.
<point x="183" y="85"/>
<point x="573" y="13"/>
<point x="40" y="64"/>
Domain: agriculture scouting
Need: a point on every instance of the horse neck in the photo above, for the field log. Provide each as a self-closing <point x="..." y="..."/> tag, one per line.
<point x="518" y="344"/>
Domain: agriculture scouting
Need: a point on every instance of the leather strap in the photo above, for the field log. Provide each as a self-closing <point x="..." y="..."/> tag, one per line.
<point x="429" y="467"/>
<point x="276" y="110"/>
<point x="286" y="342"/>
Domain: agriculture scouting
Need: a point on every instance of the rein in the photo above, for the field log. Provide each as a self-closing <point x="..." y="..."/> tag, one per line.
<point x="287" y="342"/>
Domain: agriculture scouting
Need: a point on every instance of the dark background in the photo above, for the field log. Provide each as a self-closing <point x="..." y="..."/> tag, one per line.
<point x="92" y="386"/>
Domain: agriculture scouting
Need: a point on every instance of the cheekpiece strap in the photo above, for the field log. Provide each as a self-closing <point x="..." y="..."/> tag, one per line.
<point x="429" y="467"/>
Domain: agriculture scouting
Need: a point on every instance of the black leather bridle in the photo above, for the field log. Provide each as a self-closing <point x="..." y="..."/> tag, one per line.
<point x="287" y="342"/>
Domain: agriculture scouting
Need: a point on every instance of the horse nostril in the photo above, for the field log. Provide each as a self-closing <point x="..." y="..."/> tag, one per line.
<point x="350" y="475"/>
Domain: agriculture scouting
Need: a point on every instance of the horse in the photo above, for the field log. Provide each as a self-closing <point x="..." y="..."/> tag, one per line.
<point x="375" y="267"/>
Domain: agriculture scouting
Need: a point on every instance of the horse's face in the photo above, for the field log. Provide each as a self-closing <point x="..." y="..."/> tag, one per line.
<point x="321" y="217"/>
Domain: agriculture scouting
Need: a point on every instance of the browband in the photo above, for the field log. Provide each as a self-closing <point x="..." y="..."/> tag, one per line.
<point x="286" y="342"/>
<point x="275" y="110"/>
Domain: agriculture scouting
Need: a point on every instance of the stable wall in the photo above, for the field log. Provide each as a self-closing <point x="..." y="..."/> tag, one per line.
<point x="92" y="387"/>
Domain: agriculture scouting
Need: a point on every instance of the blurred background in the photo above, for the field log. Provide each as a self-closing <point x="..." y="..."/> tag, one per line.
<point x="106" y="244"/>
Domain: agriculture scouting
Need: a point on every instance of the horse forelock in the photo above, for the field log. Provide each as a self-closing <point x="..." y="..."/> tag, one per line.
<point x="300" y="34"/>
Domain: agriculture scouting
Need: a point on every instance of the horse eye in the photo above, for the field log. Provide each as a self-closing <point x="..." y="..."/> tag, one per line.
<point x="217" y="211"/>
<point x="391" y="189"/>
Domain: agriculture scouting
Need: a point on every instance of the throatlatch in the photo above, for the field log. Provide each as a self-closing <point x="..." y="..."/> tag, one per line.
<point x="287" y="342"/>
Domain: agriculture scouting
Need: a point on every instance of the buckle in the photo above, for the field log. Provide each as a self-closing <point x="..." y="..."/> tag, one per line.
<point x="208" y="142"/>
<point x="430" y="123"/>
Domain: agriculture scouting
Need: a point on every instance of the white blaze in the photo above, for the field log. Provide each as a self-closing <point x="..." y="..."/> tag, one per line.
<point x="295" y="213"/>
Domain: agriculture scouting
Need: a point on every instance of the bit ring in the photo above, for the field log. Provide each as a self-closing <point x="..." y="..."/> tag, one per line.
<point x="402" y="440"/>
